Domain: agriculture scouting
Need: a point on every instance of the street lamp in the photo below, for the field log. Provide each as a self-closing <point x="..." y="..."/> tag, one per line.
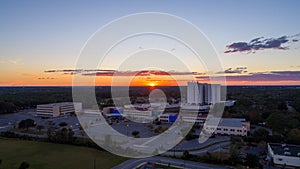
<point x="127" y="125"/>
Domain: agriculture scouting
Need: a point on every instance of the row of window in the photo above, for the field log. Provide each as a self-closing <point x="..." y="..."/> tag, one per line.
<point x="232" y="130"/>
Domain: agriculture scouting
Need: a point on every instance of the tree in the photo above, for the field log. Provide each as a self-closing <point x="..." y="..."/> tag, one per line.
<point x="63" y="124"/>
<point x="234" y="155"/>
<point x="186" y="154"/>
<point x="262" y="146"/>
<point x="24" y="165"/>
<point x="51" y="134"/>
<point x="150" y="126"/>
<point x="61" y="136"/>
<point x="7" y="107"/>
<point x="282" y="122"/>
<point x="251" y="160"/>
<point x="71" y="135"/>
<point x="27" y="123"/>
<point x="135" y="133"/>
<point x="277" y="122"/>
<point x="294" y="136"/>
<point x="254" y="117"/>
<point x="40" y="127"/>
<point x="260" y="134"/>
<point x="282" y="106"/>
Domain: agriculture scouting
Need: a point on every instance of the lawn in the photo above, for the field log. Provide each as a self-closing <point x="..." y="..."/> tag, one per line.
<point x="41" y="155"/>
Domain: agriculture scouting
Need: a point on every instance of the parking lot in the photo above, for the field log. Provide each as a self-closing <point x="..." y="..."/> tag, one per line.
<point x="126" y="127"/>
<point x="8" y="121"/>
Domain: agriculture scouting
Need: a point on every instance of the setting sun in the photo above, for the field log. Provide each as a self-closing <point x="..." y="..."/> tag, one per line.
<point x="152" y="84"/>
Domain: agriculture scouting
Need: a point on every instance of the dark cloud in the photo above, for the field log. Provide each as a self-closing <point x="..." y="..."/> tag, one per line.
<point x="75" y="70"/>
<point x="238" y="70"/>
<point x="261" y="76"/>
<point x="261" y="43"/>
<point x="140" y="73"/>
<point x="45" y="78"/>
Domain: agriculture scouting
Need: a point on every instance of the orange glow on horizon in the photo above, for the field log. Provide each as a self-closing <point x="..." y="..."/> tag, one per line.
<point x="67" y="80"/>
<point x="152" y="84"/>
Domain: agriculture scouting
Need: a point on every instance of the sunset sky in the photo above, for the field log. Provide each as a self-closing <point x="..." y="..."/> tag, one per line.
<point x="257" y="41"/>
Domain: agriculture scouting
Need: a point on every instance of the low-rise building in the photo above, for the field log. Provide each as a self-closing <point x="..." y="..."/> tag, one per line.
<point x="168" y="117"/>
<point x="284" y="155"/>
<point x="108" y="110"/>
<point x="144" y="112"/>
<point x="229" y="126"/>
<point x="58" y="109"/>
<point x="186" y="117"/>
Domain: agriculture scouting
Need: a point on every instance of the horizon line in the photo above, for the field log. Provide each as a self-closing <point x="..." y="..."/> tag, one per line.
<point x="270" y="85"/>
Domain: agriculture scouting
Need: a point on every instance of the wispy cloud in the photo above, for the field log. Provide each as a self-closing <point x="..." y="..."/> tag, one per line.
<point x="262" y="43"/>
<point x="12" y="61"/>
<point x="237" y="70"/>
<point x="108" y="72"/>
<point x="261" y="76"/>
<point x="140" y="73"/>
<point x="75" y="70"/>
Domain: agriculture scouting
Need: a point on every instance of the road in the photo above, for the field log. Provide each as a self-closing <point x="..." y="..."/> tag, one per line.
<point x="214" y="148"/>
<point x="192" y="144"/>
<point x="132" y="163"/>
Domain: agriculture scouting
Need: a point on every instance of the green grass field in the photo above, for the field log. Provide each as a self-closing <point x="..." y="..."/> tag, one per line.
<point x="41" y="155"/>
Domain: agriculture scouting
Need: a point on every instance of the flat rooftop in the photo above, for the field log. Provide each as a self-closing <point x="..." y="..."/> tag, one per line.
<point x="279" y="149"/>
<point x="232" y="122"/>
<point x="57" y="104"/>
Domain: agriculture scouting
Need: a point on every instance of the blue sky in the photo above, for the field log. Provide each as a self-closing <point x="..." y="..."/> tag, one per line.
<point x="36" y="33"/>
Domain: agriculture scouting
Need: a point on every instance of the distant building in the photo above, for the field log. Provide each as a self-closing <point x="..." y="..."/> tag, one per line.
<point x="229" y="103"/>
<point x="171" y="117"/>
<point x="58" y="109"/>
<point x="284" y="155"/>
<point x="229" y="126"/>
<point x="145" y="112"/>
<point x="200" y="93"/>
<point x="108" y="110"/>
<point x="168" y="117"/>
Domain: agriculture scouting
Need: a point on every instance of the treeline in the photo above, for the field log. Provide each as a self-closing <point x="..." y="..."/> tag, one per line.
<point x="18" y="98"/>
<point x="13" y="99"/>
<point x="58" y="137"/>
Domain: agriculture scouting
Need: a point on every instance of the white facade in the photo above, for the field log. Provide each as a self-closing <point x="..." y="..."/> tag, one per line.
<point x="137" y="114"/>
<point x="229" y="126"/>
<point x="58" y="109"/>
<point x="199" y="93"/>
<point x="284" y="155"/>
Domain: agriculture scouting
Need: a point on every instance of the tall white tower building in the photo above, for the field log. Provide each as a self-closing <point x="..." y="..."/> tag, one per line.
<point x="200" y="93"/>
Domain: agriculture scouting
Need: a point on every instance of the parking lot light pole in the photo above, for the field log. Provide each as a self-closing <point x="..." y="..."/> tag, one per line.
<point x="127" y="125"/>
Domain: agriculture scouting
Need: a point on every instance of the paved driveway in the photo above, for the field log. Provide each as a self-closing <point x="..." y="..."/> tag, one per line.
<point x="130" y="164"/>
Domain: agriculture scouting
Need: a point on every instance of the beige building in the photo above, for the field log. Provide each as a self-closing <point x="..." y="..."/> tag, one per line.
<point x="145" y="112"/>
<point x="229" y="126"/>
<point x="58" y="109"/>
